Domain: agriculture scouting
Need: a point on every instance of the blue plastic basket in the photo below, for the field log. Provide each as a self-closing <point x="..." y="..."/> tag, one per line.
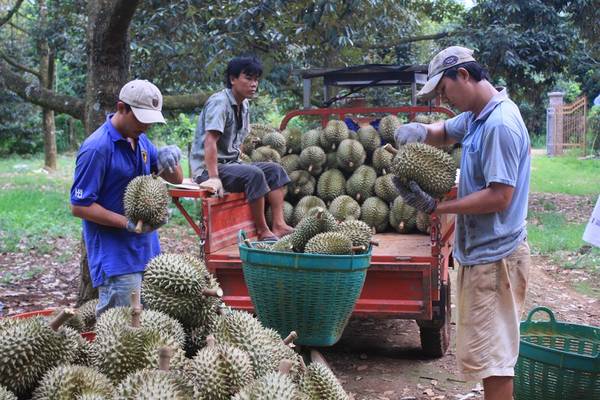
<point x="312" y="294"/>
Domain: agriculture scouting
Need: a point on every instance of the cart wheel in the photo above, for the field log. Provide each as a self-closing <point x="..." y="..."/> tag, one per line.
<point x="435" y="334"/>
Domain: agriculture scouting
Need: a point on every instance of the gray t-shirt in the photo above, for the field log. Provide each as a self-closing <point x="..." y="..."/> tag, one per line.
<point x="219" y="114"/>
<point x="496" y="148"/>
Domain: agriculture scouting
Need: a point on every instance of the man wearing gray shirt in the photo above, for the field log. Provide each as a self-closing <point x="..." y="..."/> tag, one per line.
<point x="215" y="159"/>
<point x="491" y="208"/>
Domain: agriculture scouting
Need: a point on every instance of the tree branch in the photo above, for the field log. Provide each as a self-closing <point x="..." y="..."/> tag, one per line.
<point x="19" y="66"/>
<point x="8" y="16"/>
<point x="185" y="102"/>
<point x="434" y="36"/>
<point x="35" y="94"/>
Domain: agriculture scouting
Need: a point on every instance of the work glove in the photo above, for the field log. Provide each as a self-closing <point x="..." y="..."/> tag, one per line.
<point x="410" y="133"/>
<point x="168" y="158"/>
<point x="214" y="185"/>
<point x="146" y="228"/>
<point x="414" y="196"/>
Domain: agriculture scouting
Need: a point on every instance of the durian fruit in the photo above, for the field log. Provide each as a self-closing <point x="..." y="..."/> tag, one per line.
<point x="382" y="161"/>
<point x="220" y="370"/>
<point x="249" y="143"/>
<point x="388" y="126"/>
<point x="293" y="138"/>
<point x="360" y="185"/>
<point x="262" y="245"/>
<point x="331" y="184"/>
<point x="290" y="163"/>
<point x="385" y="188"/>
<point x="72" y="381"/>
<point x="431" y="168"/>
<point x="350" y="155"/>
<point x="403" y="218"/>
<point x="283" y="244"/>
<point x="311" y="138"/>
<point x="245" y="158"/>
<point x="375" y="212"/>
<point x="260" y="130"/>
<point x="87" y="313"/>
<point x="146" y="201"/>
<point x="276" y="141"/>
<point x="344" y="208"/>
<point x="30" y="347"/>
<point x="329" y="243"/>
<point x="331" y="162"/>
<point x="359" y="232"/>
<point x="423" y="222"/>
<point x="75" y="322"/>
<point x="288" y="214"/>
<point x="352" y="134"/>
<point x="316" y="221"/>
<point x="369" y="138"/>
<point x="302" y="184"/>
<point x="150" y="384"/>
<point x="276" y="385"/>
<point x="304" y="206"/>
<point x="265" y="154"/>
<point x="319" y="383"/>
<point x="334" y="133"/>
<point x="6" y="394"/>
<point x="181" y="287"/>
<point x="312" y="160"/>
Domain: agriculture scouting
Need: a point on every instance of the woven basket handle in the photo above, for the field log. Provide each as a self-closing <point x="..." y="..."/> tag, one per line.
<point x="243" y="238"/>
<point x="543" y="309"/>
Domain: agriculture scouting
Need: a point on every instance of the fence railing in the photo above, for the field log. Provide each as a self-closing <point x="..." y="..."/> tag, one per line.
<point x="567" y="127"/>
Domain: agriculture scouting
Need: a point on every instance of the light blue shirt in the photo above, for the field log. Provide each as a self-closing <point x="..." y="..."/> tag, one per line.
<point x="496" y="148"/>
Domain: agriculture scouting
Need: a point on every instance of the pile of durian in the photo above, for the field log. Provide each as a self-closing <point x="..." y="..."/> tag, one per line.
<point x="183" y="344"/>
<point x="351" y="173"/>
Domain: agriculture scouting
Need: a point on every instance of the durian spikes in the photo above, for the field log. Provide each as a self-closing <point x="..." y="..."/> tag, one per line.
<point x="164" y="358"/>
<point x="61" y="318"/>
<point x="136" y="309"/>
<point x="290" y="338"/>
<point x="213" y="292"/>
<point x="391" y="149"/>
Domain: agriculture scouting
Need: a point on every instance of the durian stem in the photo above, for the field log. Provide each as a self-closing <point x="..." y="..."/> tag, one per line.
<point x="401" y="225"/>
<point x="374" y="243"/>
<point x="358" y="248"/>
<point x="310" y="168"/>
<point x="61" y="318"/>
<point x="136" y="309"/>
<point x="285" y="366"/>
<point x="138" y="227"/>
<point x="213" y="292"/>
<point x="164" y="358"/>
<point x="317" y="357"/>
<point x="388" y="147"/>
<point x="290" y="338"/>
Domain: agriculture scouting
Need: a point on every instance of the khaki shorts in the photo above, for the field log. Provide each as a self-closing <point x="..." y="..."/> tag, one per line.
<point x="490" y="303"/>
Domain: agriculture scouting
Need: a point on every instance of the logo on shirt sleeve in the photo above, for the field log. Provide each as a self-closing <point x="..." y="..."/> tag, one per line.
<point x="145" y="156"/>
<point x="79" y="193"/>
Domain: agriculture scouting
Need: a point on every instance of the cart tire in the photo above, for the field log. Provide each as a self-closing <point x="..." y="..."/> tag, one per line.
<point x="435" y="334"/>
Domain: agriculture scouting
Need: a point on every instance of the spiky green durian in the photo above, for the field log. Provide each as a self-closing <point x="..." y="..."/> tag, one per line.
<point x="359" y="232"/>
<point x="260" y="130"/>
<point x="283" y="244"/>
<point x="382" y="161"/>
<point x="304" y="205"/>
<point x="6" y="394"/>
<point x="249" y="144"/>
<point x="331" y="162"/>
<point x="369" y="138"/>
<point x="302" y="183"/>
<point x="331" y="184"/>
<point x="329" y="243"/>
<point x="360" y="185"/>
<point x="344" y="207"/>
<point x="293" y="137"/>
<point x="272" y="386"/>
<point x="319" y="383"/>
<point x="155" y="384"/>
<point x="87" y="313"/>
<point x="375" y="212"/>
<point x="334" y="133"/>
<point x="146" y="200"/>
<point x="350" y="155"/>
<point x="290" y="163"/>
<point x="388" y="126"/>
<point x="245" y="158"/>
<point x="288" y="214"/>
<point x="276" y="141"/>
<point x="311" y="138"/>
<point x="72" y="381"/>
<point x="265" y="154"/>
<point x="316" y="221"/>
<point x="385" y="188"/>
<point x="312" y="159"/>
<point x="431" y="168"/>
<point x="403" y="218"/>
<point x="423" y="222"/>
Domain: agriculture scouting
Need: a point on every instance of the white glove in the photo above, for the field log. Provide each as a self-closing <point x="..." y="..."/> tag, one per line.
<point x="410" y="133"/>
<point x="214" y="185"/>
<point x="168" y="157"/>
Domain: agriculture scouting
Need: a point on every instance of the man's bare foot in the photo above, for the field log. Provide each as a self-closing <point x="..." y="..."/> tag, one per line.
<point x="267" y="235"/>
<point x="282" y="230"/>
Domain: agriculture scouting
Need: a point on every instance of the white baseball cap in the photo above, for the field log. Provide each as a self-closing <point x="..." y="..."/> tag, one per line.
<point x="443" y="60"/>
<point x="145" y="101"/>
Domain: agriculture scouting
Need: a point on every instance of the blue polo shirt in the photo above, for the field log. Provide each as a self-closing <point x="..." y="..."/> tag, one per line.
<point x="105" y="164"/>
<point x="496" y="148"/>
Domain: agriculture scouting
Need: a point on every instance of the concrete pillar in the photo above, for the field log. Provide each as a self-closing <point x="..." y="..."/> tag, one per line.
<point x="554" y="124"/>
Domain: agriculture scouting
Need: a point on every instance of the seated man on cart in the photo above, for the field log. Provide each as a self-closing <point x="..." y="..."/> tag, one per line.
<point x="215" y="159"/>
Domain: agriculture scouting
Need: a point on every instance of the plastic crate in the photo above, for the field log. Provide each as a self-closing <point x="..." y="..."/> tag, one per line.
<point x="312" y="294"/>
<point x="557" y="360"/>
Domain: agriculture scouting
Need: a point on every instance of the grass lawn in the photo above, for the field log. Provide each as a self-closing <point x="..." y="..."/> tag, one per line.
<point x="567" y="175"/>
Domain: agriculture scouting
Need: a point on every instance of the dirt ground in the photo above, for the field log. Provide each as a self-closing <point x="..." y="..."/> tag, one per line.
<point x="375" y="359"/>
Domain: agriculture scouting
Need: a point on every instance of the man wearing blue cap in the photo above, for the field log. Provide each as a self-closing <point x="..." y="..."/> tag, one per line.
<point x="491" y="208"/>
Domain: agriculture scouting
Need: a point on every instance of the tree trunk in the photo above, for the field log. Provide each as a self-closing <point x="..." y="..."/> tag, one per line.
<point x="73" y="145"/>
<point x="107" y="71"/>
<point x="86" y="290"/>
<point x="47" y="82"/>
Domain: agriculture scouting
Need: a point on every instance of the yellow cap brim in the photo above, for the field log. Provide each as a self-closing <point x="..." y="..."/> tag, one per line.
<point x="427" y="92"/>
<point x="146" y="116"/>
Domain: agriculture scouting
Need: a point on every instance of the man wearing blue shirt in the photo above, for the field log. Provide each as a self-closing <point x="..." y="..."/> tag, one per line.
<point x="107" y="161"/>
<point x="491" y="208"/>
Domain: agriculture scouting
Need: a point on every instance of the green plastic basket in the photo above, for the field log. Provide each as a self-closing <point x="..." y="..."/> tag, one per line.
<point x="312" y="294"/>
<point x="557" y="361"/>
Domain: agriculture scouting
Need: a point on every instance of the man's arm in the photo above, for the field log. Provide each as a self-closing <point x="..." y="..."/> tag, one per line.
<point x="495" y="198"/>
<point x="437" y="136"/>
<point x="100" y="215"/>
<point x="210" y="153"/>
